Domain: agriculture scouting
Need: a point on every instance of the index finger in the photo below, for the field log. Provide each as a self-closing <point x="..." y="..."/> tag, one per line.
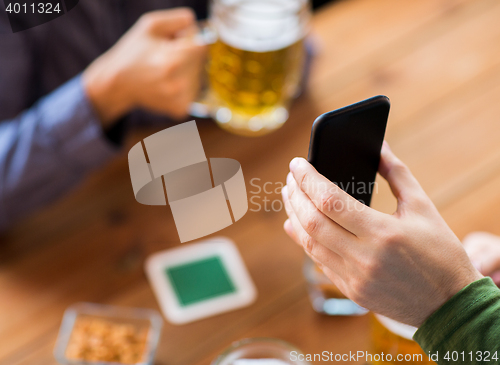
<point x="332" y="201"/>
<point x="168" y="22"/>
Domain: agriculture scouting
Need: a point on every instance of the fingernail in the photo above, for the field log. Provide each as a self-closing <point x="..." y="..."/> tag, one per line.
<point x="295" y="163"/>
<point x="289" y="178"/>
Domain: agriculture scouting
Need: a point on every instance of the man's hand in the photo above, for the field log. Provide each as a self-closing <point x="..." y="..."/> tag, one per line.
<point x="404" y="266"/>
<point x="156" y="65"/>
<point x="484" y="251"/>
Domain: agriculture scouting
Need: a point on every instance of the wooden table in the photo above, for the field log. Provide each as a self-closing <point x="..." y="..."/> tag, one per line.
<point x="438" y="61"/>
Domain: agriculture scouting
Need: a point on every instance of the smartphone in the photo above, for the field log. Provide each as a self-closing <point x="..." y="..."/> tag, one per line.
<point x="345" y="145"/>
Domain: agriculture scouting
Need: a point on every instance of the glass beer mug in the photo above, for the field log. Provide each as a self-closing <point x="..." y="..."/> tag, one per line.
<point x="395" y="341"/>
<point x="261" y="351"/>
<point x="255" y="62"/>
<point x="325" y="297"/>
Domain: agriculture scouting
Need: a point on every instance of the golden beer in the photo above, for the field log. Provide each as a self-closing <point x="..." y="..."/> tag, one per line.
<point x="255" y="66"/>
<point x="395" y="339"/>
<point x="252" y="84"/>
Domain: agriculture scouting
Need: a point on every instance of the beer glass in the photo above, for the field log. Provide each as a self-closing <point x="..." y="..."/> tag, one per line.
<point x="325" y="297"/>
<point x="255" y="62"/>
<point x="261" y="351"/>
<point x="395" y="339"/>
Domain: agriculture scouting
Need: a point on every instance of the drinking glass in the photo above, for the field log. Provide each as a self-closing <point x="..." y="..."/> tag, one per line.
<point x="255" y="62"/>
<point x="325" y="297"/>
<point x="260" y="351"/>
<point x="393" y="338"/>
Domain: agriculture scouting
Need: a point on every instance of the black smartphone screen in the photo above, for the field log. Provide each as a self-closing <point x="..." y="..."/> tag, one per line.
<point x="345" y="145"/>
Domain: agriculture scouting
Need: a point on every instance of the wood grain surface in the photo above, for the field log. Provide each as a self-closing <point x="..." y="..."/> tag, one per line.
<point x="439" y="63"/>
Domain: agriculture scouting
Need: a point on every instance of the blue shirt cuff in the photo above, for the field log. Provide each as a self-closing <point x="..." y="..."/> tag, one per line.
<point x="71" y="119"/>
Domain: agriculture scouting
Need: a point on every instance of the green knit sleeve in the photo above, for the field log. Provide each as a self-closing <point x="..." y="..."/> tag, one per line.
<point x="466" y="329"/>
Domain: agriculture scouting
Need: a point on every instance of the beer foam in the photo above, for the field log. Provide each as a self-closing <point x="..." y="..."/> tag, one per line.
<point x="259" y="25"/>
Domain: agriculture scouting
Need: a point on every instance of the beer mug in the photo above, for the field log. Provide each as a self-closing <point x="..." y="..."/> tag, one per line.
<point x="256" y="61"/>
<point x="261" y="351"/>
<point x="392" y="343"/>
<point x="325" y="297"/>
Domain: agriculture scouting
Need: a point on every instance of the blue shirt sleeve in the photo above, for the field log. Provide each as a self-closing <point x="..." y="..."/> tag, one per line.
<point x="47" y="149"/>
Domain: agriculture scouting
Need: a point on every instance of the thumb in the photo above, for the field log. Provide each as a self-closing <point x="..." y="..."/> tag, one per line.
<point x="167" y="23"/>
<point x="403" y="184"/>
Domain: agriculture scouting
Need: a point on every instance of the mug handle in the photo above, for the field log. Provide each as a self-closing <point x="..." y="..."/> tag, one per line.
<point x="205" y="36"/>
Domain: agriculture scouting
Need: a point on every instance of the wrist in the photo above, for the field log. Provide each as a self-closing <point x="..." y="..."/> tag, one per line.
<point x="103" y="89"/>
<point x="469" y="276"/>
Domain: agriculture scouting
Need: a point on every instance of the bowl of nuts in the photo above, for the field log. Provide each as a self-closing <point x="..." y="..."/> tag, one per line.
<point x="103" y="334"/>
